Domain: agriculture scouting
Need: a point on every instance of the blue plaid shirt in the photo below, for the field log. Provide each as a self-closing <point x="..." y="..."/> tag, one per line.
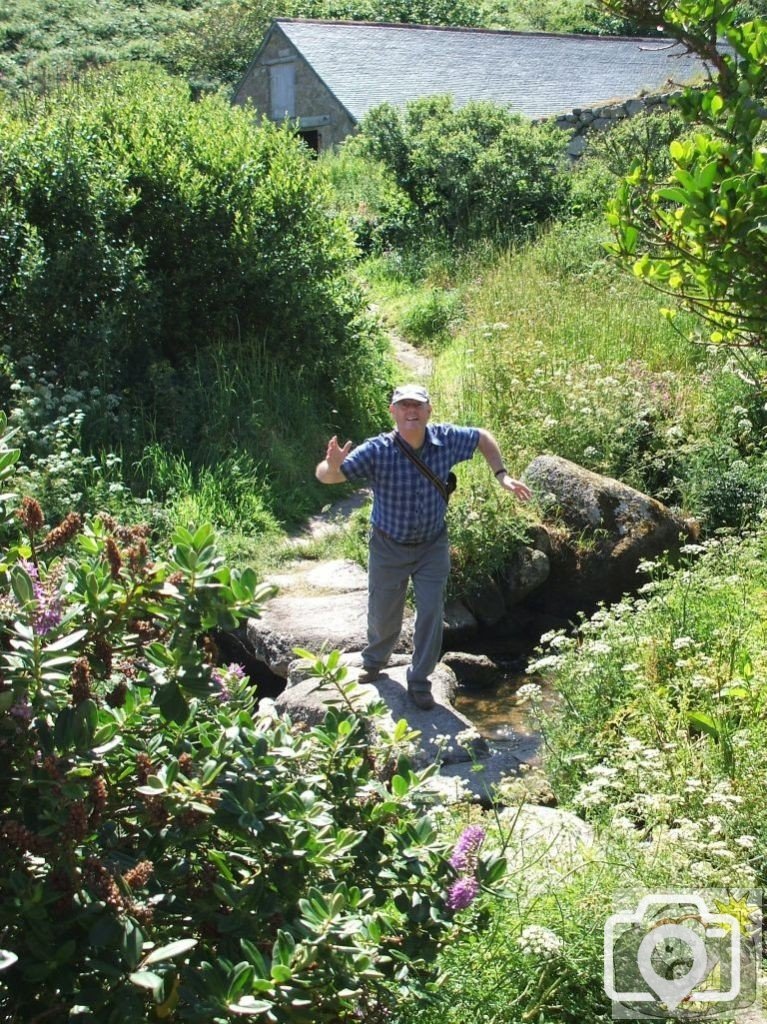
<point x="406" y="505"/>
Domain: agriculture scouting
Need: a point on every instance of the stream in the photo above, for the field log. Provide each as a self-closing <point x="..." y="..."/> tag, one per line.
<point x="504" y="720"/>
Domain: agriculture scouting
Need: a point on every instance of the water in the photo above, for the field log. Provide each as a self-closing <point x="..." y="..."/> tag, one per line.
<point x="504" y="721"/>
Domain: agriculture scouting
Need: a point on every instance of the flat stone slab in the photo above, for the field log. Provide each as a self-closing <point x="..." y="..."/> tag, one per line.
<point x="304" y="700"/>
<point x="336" y="576"/>
<point x="319" y="606"/>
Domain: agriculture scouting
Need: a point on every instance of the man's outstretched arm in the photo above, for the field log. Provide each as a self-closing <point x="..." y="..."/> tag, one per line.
<point x="329" y="470"/>
<point x="488" y="446"/>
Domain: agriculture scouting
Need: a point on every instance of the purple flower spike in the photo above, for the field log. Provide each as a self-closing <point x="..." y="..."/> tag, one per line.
<point x="219" y="678"/>
<point x="462" y="893"/>
<point x="48" y="614"/>
<point x="466" y="848"/>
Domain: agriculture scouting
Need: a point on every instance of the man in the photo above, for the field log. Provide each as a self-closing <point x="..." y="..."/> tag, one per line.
<point x="408" y="538"/>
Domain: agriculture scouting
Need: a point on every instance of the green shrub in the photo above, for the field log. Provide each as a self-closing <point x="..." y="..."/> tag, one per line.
<point x="429" y="317"/>
<point x="610" y="154"/>
<point x="166" y="849"/>
<point x="142" y="224"/>
<point x="364" y="192"/>
<point x="470" y="173"/>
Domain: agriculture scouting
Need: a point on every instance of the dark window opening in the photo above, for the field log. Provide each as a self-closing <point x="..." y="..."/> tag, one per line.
<point x="311" y="138"/>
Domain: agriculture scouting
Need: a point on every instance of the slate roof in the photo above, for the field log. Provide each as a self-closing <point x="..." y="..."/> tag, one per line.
<point x="535" y="74"/>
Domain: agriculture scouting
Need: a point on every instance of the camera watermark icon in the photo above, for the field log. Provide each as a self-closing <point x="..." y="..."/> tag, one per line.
<point x="683" y="956"/>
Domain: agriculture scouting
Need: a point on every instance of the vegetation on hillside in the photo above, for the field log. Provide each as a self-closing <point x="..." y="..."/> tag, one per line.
<point x="181" y="283"/>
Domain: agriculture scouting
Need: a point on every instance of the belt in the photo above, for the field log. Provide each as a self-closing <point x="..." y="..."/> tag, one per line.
<point x="406" y="543"/>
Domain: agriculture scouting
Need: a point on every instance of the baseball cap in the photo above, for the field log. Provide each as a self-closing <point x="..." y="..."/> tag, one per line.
<point x="410" y="392"/>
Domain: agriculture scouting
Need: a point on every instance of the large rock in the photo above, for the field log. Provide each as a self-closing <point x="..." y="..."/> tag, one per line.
<point x="609" y="528"/>
<point x="305" y="700"/>
<point x="528" y="570"/>
<point x="318" y="605"/>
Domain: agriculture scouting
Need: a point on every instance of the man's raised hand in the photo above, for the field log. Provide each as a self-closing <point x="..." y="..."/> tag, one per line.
<point x="336" y="453"/>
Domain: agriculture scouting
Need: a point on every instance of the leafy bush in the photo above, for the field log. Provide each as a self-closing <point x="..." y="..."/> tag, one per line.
<point x="713" y="199"/>
<point x="471" y="173"/>
<point x="611" y="153"/>
<point x="559" y="16"/>
<point x="428" y="319"/>
<point x="366" y="195"/>
<point x="140" y="225"/>
<point x="167" y="850"/>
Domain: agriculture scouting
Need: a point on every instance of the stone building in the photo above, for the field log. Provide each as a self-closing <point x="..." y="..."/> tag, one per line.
<point x="326" y="75"/>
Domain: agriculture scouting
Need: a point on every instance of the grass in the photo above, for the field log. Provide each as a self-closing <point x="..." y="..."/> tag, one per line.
<point x="561" y="353"/>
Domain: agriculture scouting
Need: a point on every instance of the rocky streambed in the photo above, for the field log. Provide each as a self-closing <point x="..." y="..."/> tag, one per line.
<point x="594" y="533"/>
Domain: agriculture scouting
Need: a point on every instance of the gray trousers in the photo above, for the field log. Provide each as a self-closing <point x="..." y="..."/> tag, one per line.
<point x="390" y="567"/>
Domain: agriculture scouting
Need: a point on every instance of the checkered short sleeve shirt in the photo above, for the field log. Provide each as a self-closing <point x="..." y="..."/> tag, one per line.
<point x="406" y="505"/>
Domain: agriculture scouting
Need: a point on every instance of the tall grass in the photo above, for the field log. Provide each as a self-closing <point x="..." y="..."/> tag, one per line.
<point x="561" y="352"/>
<point x="236" y="443"/>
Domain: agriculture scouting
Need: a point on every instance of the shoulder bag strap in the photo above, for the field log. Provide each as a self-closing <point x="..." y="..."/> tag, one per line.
<point x="421" y="465"/>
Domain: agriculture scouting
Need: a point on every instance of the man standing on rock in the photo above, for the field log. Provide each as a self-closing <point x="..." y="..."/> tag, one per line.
<point x="408" y="470"/>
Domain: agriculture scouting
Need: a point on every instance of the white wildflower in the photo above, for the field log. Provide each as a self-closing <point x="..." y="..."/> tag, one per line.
<point x="561" y="642"/>
<point x="598" y="647"/>
<point x="467" y="737"/>
<point x="746" y="842"/>
<point x="536" y="940"/>
<point x="547" y="662"/>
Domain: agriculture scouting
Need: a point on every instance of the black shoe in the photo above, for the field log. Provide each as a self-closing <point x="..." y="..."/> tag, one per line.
<point x="421" y="697"/>
<point x="368" y="674"/>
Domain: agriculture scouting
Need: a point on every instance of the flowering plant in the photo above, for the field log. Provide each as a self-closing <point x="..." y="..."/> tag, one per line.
<point x="167" y="848"/>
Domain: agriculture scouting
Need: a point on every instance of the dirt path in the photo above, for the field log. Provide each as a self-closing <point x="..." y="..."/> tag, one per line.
<point x="412" y="360"/>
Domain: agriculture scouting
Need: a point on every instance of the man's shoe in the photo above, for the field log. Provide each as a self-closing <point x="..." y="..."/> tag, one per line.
<point x="368" y="674"/>
<point x="421" y="697"/>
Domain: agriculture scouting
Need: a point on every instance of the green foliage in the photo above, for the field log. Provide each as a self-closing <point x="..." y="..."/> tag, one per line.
<point x="470" y="173"/>
<point x="169" y="222"/>
<point x="660" y="733"/>
<point x="558" y="352"/>
<point x="580" y="16"/>
<point x="220" y="39"/>
<point x="423" y="12"/>
<point x="43" y="43"/>
<point x="697" y="233"/>
<point x="166" y="849"/>
<point x="232" y="495"/>
<point x="486" y="530"/>
<point x="611" y="154"/>
<point x="366" y="195"/>
<point x="429" y="319"/>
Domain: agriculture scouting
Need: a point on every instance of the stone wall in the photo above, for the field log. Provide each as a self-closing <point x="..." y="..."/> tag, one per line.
<point x="580" y="122"/>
